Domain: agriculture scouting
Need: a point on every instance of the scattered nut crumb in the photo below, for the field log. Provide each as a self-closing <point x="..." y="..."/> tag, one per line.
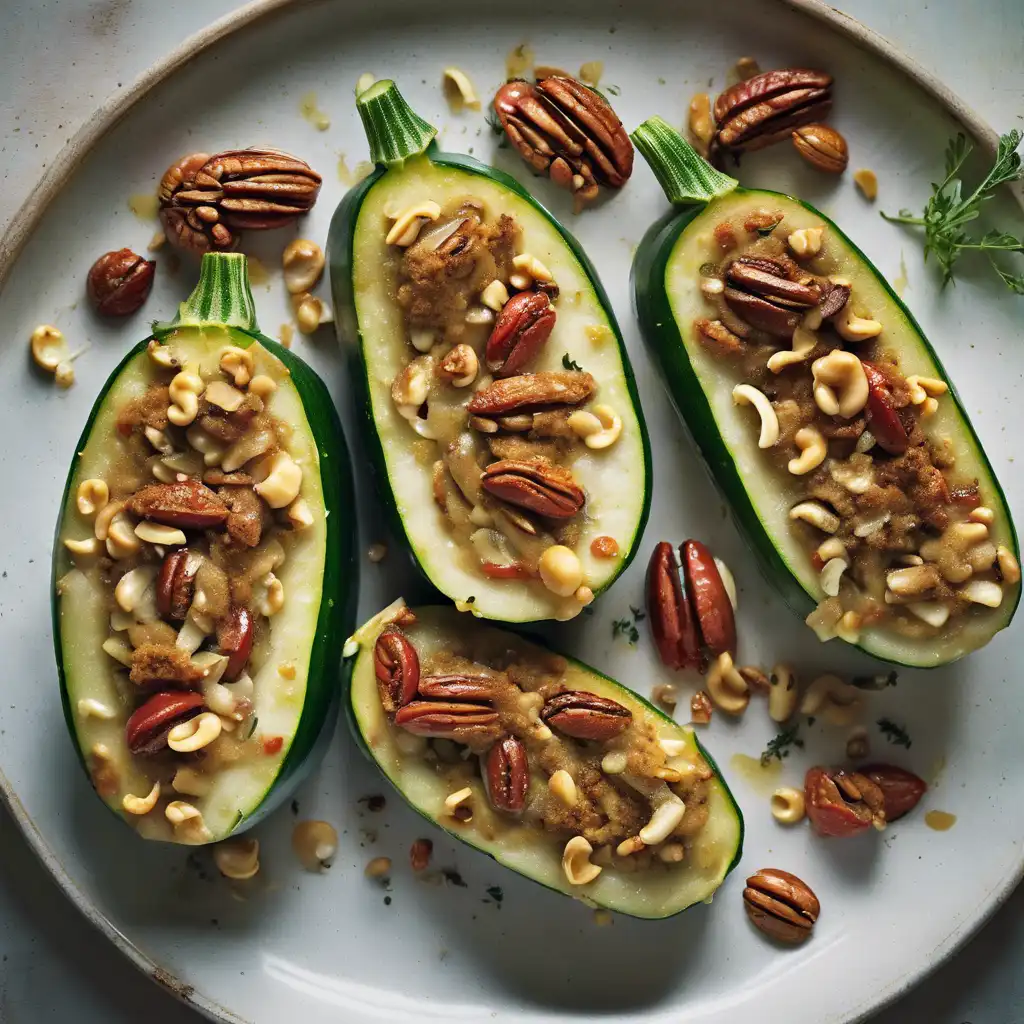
<point x="374" y="803"/>
<point x="287" y="334"/>
<point x="379" y="867"/>
<point x="665" y="694"/>
<point x="867" y="181"/>
<point x="459" y="90"/>
<point x="858" y="745"/>
<point x="591" y="72"/>
<point x="746" y="68"/>
<point x="700" y="708"/>
<point x="377" y="552"/>
<point x="315" y="843"/>
<point x="419" y="854"/>
<point x="755" y="678"/>
<point x="365" y="80"/>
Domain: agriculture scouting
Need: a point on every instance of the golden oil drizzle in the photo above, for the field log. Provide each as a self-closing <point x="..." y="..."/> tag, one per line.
<point x="287" y="335"/>
<point x="591" y="72"/>
<point x="144" y="205"/>
<point x="258" y="272"/>
<point x="316" y="117"/>
<point x="940" y="821"/>
<point x="352" y="176"/>
<point x="519" y="62"/>
<point x="900" y="282"/>
<point x="762" y="778"/>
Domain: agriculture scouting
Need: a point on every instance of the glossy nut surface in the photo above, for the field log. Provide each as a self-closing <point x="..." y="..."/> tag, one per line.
<point x="711" y="604"/>
<point x="175" y="586"/>
<point x="901" y="789"/>
<point x="452" y="720"/>
<point x="883" y="418"/>
<point x="119" y="282"/>
<point x="822" y="147"/>
<point x="147" y="728"/>
<point x="781" y="905"/>
<point x="586" y="716"/>
<point x="506" y="772"/>
<point x="235" y="639"/>
<point x="543" y="488"/>
<point x="673" y="625"/>
<point x="842" y="803"/>
<point x="397" y="668"/>
<point x="520" y="332"/>
<point x="186" y="504"/>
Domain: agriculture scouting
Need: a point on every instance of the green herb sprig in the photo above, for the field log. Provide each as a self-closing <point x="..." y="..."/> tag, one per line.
<point x="779" y="745"/>
<point x="627" y="627"/>
<point x="894" y="733"/>
<point x="949" y="211"/>
<point x="570" y="364"/>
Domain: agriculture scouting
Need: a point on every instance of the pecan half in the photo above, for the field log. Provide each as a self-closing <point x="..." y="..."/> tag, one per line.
<point x="843" y="803"/>
<point x="447" y="719"/>
<point x="711" y="603"/>
<point x="204" y="200"/>
<point x="234" y="638"/>
<point x="767" y="294"/>
<point x="901" y="790"/>
<point x="175" y="586"/>
<point x="586" y="716"/>
<point x="520" y="332"/>
<point x="883" y="419"/>
<point x="506" y="773"/>
<point x="397" y="668"/>
<point x="822" y="147"/>
<point x="530" y="390"/>
<point x="673" y="626"/>
<point x="457" y="687"/>
<point x="119" y="282"/>
<point x="768" y="107"/>
<point x="781" y="905"/>
<point x="187" y="504"/>
<point x="568" y="131"/>
<point x="146" y="731"/>
<point x="538" y="487"/>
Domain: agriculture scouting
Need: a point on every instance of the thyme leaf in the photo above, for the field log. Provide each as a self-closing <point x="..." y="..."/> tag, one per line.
<point x="779" y="745"/>
<point x="894" y="733"/>
<point x="570" y="364"/>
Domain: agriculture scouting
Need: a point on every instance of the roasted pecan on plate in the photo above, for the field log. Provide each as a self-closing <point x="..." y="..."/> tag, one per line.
<point x="566" y="130"/>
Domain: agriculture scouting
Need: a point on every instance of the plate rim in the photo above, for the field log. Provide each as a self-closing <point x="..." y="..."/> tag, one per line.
<point x="60" y="172"/>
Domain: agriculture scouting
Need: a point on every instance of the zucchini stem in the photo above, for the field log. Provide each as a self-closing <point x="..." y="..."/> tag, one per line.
<point x="686" y="177"/>
<point x="221" y="298"/>
<point x="394" y="130"/>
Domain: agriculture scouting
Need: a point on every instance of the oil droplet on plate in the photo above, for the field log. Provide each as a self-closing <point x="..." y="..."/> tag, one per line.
<point x="940" y="821"/>
<point x="353" y="176"/>
<point x="899" y="283"/>
<point x="316" y="117"/>
<point x="144" y="205"/>
<point x="258" y="273"/>
<point x="762" y="778"/>
<point x="519" y="61"/>
<point x="591" y="72"/>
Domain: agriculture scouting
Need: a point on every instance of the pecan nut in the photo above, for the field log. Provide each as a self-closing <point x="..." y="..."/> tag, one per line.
<point x="506" y="772"/>
<point x="539" y="487"/>
<point x="532" y="390"/>
<point x="711" y="604"/>
<point x="175" y="586"/>
<point x="586" y="716"/>
<point x="768" y="107"/>
<point x="119" y="282"/>
<point x="205" y="199"/>
<point x="186" y="504"/>
<point x="673" y="626"/>
<point x="397" y="668"/>
<point x="781" y="905"/>
<point x="565" y="130"/>
<point x="770" y="294"/>
<point x="843" y="803"/>
<point x="521" y="331"/>
<point x="146" y="731"/>
<point x="901" y="790"/>
<point x="448" y="719"/>
<point x="883" y="418"/>
<point x="457" y="687"/>
<point x="822" y="147"/>
<point x="235" y="633"/>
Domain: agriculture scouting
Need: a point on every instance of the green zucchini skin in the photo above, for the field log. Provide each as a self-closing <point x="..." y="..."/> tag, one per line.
<point x="663" y="336"/>
<point x="340" y="258"/>
<point x="362" y="652"/>
<point x="340" y="580"/>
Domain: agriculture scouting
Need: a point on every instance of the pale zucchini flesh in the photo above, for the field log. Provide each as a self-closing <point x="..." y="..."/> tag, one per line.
<point x="770" y="492"/>
<point x="615" y="478"/>
<point x="660" y="892"/>
<point x="84" y="605"/>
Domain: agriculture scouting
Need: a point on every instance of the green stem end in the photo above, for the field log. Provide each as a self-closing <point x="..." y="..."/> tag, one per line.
<point x="222" y="298"/>
<point x="394" y="130"/>
<point x="686" y="177"/>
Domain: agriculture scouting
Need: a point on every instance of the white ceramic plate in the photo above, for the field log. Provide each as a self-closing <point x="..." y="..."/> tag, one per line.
<point x="293" y="946"/>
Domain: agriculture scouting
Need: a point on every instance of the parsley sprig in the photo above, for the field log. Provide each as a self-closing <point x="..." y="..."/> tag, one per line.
<point x="949" y="211"/>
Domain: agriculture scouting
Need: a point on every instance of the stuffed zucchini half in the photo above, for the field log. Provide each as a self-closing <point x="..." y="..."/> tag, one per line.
<point x="503" y="419"/>
<point x="203" y="572"/>
<point x="825" y="416"/>
<point x="555" y="770"/>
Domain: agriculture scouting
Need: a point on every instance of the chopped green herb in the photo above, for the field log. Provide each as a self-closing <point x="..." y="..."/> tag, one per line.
<point x="295" y="807"/>
<point x="570" y="364"/>
<point x="252" y="728"/>
<point x="948" y="211"/>
<point x="638" y="614"/>
<point x="894" y="733"/>
<point x="471" y="599"/>
<point x="452" y="877"/>
<point x="626" y="628"/>
<point x="496" y="893"/>
<point x="779" y="745"/>
<point x="613" y="89"/>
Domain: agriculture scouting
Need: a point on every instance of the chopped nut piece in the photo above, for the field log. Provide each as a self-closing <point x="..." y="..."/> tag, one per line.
<point x="378" y="868"/>
<point x="867" y="181"/>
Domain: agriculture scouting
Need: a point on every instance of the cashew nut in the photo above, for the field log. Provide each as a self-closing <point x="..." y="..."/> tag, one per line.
<point x="303" y="263"/>
<point x="158" y="533"/>
<point x="837" y="702"/>
<point x="237" y="859"/>
<point x="273" y="601"/>
<point x="614" y="762"/>
<point x="314" y="843"/>
<point x="410" y="388"/>
<point x="576" y="862"/>
<point x="782" y="694"/>
<point x="118" y="650"/>
<point x="840" y="384"/>
<point x="815" y="513"/>
<point x="788" y="805"/>
<point x="599" y="429"/>
<point x="563" y="787"/>
<point x="101" y="525"/>
<point x="805" y="341"/>
<point x="983" y="592"/>
<point x="92" y="495"/>
<point x="747" y="394"/>
<point x="832" y="548"/>
<point x="310" y="312"/>
<point x="935" y="613"/>
<point x="89" y="707"/>
<point x="408" y="222"/>
<point x="667" y="815"/>
<point x="458" y="801"/>
<point x="87" y="548"/>
<point x="813" y="449"/>
<point x="262" y="386"/>
<point x="184" y="391"/>
<point x="121" y="539"/>
<point x="132" y="585"/>
<point x="239" y="364"/>
<point x="923" y="388"/>
<point x="195" y="734"/>
<point x="49" y="349"/>
<point x="162" y="355"/>
<point x="142" y="804"/>
<point x="1008" y="564"/>
<point x="530" y="269"/>
<point x="494" y="296"/>
<point x="831" y="575"/>
<point x="459" y="90"/>
<point x="854" y="328"/>
<point x="178" y="812"/>
<point x="282" y="483"/>
<point x="726" y="687"/>
<point x="806" y="242"/>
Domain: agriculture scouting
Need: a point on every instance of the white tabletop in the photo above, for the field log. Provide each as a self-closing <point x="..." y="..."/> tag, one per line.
<point x="58" y="60"/>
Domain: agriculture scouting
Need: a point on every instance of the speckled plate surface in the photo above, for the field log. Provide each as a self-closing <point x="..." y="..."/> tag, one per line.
<point x="294" y="946"/>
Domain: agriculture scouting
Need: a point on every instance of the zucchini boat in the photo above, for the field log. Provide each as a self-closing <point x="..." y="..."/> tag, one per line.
<point x="502" y="416"/>
<point x="555" y="770"/>
<point x="203" y="572"/>
<point x="825" y="417"/>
